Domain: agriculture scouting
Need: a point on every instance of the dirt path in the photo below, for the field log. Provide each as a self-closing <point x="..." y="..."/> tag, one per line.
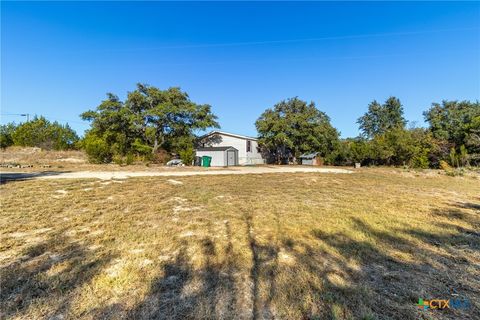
<point x="107" y="175"/>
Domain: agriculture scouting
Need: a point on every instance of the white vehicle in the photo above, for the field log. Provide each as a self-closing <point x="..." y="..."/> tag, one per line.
<point x="175" y="162"/>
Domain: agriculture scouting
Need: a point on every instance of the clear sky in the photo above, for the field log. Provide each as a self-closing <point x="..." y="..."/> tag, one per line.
<point x="60" y="58"/>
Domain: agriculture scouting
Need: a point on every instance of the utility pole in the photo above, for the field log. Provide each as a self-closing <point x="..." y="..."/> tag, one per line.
<point x="26" y="115"/>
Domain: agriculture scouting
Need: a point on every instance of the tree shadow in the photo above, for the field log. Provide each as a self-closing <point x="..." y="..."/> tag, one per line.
<point x="6" y="177"/>
<point x="388" y="279"/>
<point x="264" y="269"/>
<point x="458" y="212"/>
<point x="48" y="273"/>
<point x="366" y="273"/>
<point x="469" y="205"/>
<point x="209" y="140"/>
<point x="185" y="292"/>
<point x="212" y="291"/>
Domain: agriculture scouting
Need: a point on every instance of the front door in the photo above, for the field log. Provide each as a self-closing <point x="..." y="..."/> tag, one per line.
<point x="230" y="158"/>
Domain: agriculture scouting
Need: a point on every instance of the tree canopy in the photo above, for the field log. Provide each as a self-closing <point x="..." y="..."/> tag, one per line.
<point x="149" y="119"/>
<point x="381" y="118"/>
<point x="6" y="134"/>
<point x="453" y="120"/>
<point x="39" y="132"/>
<point x="453" y="136"/>
<point x="293" y="127"/>
<point x="457" y="123"/>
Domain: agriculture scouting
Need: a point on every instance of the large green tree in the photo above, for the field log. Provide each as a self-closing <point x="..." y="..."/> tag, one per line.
<point x="40" y="132"/>
<point x="453" y="120"/>
<point x="168" y="116"/>
<point x="112" y="127"/>
<point x="149" y="119"/>
<point x="6" y="134"/>
<point x="293" y="127"/>
<point x="381" y="118"/>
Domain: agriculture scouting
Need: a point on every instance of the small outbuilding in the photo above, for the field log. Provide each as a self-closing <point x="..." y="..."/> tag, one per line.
<point x="221" y="156"/>
<point x="311" y="159"/>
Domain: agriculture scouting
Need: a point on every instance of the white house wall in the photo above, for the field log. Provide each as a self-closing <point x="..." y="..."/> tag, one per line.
<point x="244" y="157"/>
<point x="218" y="157"/>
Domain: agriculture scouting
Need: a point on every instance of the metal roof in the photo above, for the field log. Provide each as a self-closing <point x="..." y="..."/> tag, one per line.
<point x="309" y="155"/>
<point x="230" y="134"/>
<point x="215" y="148"/>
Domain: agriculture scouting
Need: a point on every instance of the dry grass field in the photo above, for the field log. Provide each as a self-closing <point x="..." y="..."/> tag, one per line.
<point x="366" y="245"/>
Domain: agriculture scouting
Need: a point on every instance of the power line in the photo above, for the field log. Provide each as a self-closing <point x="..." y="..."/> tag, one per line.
<point x="280" y="41"/>
<point x="45" y="116"/>
<point x="18" y="114"/>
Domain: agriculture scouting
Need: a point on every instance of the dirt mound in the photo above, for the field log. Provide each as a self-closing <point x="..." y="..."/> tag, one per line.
<point x="33" y="155"/>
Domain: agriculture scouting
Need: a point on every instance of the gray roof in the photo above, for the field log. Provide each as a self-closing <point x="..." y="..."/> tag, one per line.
<point x="309" y="155"/>
<point x="229" y="134"/>
<point x="215" y="148"/>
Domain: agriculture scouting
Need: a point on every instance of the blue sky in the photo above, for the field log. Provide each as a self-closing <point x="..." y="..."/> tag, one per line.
<point x="60" y="58"/>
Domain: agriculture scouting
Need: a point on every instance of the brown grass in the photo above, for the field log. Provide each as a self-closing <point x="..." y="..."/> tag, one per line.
<point x="286" y="246"/>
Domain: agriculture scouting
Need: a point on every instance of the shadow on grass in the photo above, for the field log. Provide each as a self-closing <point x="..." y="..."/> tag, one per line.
<point x="47" y="273"/>
<point x="390" y="280"/>
<point x="183" y="292"/>
<point x="465" y="212"/>
<point x="468" y="205"/>
<point x="214" y="291"/>
<point x="264" y="269"/>
<point x="6" y="177"/>
<point x="375" y="275"/>
<point x="366" y="273"/>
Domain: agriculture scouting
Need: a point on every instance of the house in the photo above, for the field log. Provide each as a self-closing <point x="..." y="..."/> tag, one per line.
<point x="311" y="159"/>
<point x="221" y="156"/>
<point x="228" y="149"/>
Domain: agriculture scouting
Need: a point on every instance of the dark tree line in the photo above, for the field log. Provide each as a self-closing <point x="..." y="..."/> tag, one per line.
<point x="38" y="132"/>
<point x="151" y="121"/>
<point x="293" y="127"/>
<point x="452" y="136"/>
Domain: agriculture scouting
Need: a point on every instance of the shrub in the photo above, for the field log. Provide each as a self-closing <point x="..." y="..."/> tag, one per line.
<point x="439" y="150"/>
<point x="394" y="147"/>
<point x="129" y="159"/>
<point x="420" y="161"/>
<point x="97" y="149"/>
<point x="161" y="157"/>
<point x="187" y="155"/>
<point x="449" y="171"/>
<point x="454" y="158"/>
<point x="117" y="159"/>
<point x="445" y="166"/>
<point x="463" y="156"/>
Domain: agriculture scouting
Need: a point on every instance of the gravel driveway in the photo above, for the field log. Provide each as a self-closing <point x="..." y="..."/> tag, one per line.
<point x="107" y="175"/>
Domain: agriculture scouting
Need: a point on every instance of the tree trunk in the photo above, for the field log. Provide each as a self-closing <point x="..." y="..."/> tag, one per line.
<point x="155" y="145"/>
<point x="158" y="142"/>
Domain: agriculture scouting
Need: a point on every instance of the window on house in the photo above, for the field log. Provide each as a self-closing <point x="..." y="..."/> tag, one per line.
<point x="249" y="146"/>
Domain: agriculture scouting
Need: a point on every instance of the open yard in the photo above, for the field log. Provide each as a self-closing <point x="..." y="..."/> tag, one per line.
<point x="365" y="245"/>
